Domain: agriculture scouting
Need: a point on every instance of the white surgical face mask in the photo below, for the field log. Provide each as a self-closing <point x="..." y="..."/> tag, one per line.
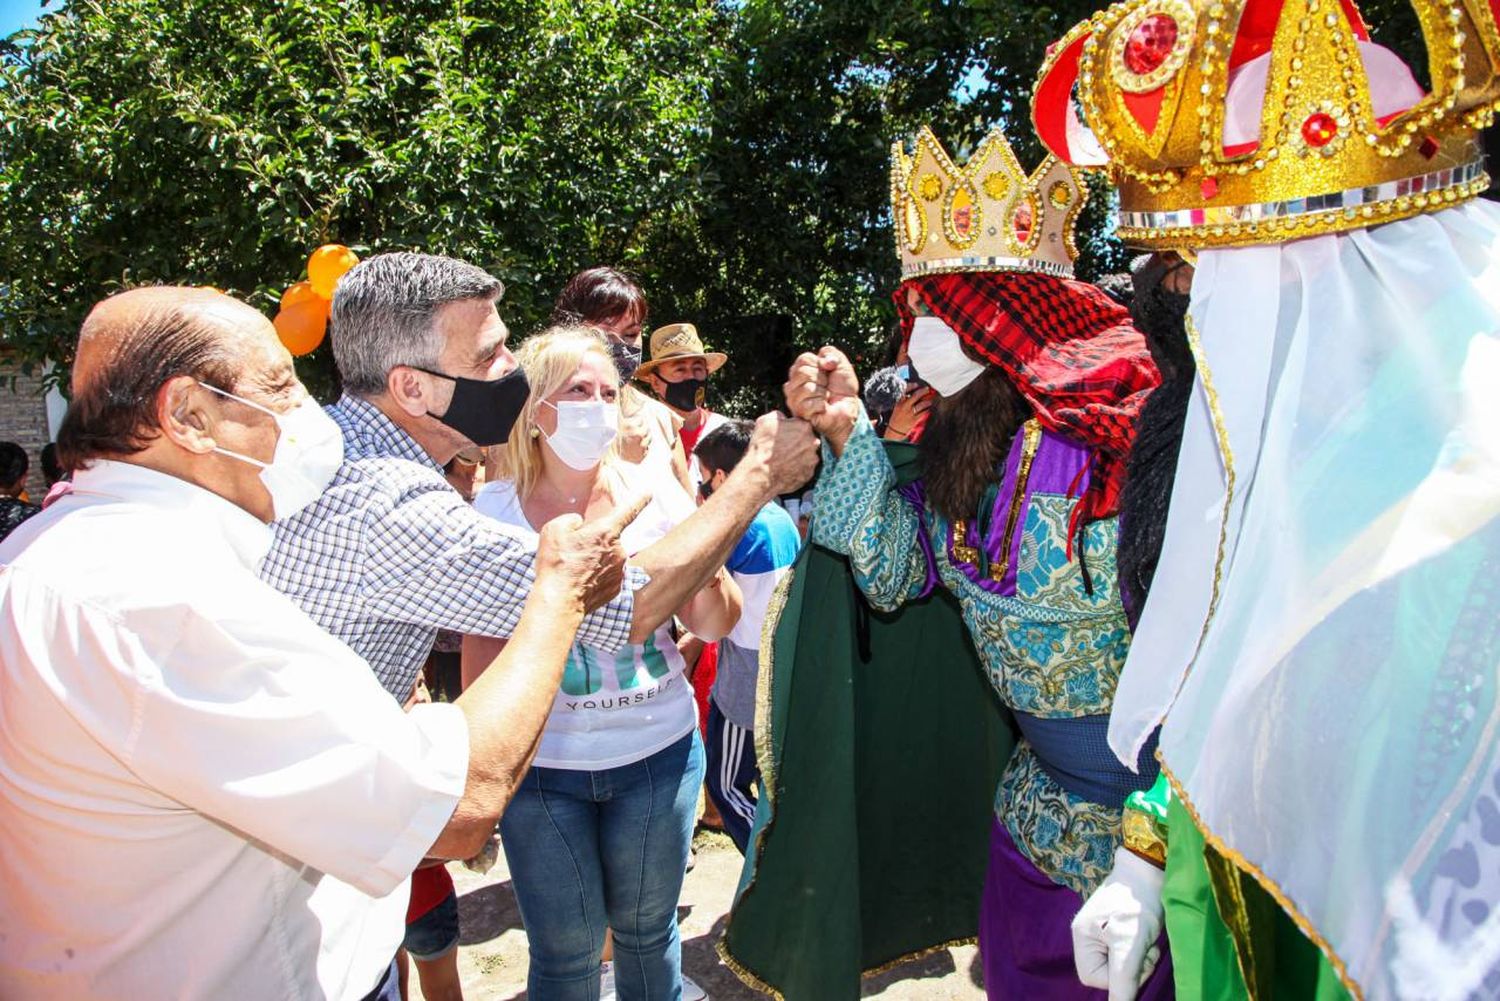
<point x="584" y="432"/>
<point x="309" y="451"/>
<point x="939" y="359"/>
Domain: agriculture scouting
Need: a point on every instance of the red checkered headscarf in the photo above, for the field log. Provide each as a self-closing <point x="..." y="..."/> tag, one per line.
<point x="1069" y="349"/>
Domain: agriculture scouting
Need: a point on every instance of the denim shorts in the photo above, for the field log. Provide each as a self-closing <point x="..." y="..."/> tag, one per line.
<point x="435" y="933"/>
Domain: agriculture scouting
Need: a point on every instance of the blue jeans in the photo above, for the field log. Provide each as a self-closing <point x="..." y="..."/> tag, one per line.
<point x="606" y="849"/>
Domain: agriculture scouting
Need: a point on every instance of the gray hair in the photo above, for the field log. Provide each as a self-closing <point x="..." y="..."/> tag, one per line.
<point x="385" y="312"/>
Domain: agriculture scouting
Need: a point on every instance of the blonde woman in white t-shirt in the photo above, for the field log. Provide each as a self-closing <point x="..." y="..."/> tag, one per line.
<point x="598" y="833"/>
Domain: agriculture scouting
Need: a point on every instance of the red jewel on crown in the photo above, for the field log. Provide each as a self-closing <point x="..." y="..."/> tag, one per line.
<point x="1319" y="129"/>
<point x="1150" y="43"/>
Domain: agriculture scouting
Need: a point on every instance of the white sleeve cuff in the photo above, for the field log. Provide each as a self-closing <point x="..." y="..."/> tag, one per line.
<point x="446" y="731"/>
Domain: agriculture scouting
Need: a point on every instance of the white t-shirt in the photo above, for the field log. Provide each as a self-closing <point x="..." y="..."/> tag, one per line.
<point x="613" y="708"/>
<point x="660" y="423"/>
<point x="204" y="794"/>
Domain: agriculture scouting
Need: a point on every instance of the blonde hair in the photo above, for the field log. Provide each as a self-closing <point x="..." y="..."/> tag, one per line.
<point x="550" y="359"/>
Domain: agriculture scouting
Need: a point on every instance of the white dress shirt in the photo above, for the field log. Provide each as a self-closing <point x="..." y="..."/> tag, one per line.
<point x="204" y="794"/>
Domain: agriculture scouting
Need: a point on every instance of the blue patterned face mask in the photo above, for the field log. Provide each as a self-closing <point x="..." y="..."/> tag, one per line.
<point x="627" y="358"/>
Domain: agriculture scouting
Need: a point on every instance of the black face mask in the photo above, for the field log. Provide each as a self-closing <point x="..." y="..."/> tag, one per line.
<point x="627" y="359"/>
<point x="484" y="411"/>
<point x="689" y="394"/>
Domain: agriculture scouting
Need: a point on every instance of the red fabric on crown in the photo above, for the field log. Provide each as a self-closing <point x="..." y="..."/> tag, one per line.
<point x="1069" y="349"/>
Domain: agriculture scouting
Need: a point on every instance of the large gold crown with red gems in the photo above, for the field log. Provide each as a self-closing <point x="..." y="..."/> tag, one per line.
<point x="1233" y="122"/>
<point x="987" y="215"/>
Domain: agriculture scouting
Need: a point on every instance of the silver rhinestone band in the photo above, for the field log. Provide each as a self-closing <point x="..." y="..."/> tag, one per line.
<point x="1353" y="198"/>
<point x="945" y="264"/>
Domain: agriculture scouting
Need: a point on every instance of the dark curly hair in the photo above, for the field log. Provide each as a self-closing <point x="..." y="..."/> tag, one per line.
<point x="13" y="465"/>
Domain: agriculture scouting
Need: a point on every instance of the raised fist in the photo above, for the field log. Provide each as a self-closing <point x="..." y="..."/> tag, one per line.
<point x="823" y="390"/>
<point x="787" y="448"/>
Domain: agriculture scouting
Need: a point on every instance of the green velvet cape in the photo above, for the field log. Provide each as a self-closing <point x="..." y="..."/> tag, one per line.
<point x="880" y="742"/>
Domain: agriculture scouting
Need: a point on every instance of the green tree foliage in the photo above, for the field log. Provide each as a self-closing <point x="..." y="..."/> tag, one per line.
<point x="218" y="143"/>
<point x="734" y="153"/>
<point x="793" y="246"/>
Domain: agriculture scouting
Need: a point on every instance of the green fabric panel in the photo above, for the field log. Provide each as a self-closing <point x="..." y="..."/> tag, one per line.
<point x="1203" y="956"/>
<point x="1206" y="955"/>
<point x="876" y="838"/>
<point x="931" y="744"/>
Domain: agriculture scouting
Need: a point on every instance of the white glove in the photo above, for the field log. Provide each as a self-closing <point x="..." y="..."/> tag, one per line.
<point x="1115" y="932"/>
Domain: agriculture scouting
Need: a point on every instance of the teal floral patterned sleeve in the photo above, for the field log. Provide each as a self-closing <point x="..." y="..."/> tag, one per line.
<point x="859" y="513"/>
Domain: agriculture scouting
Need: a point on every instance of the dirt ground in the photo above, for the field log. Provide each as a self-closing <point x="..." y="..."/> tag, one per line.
<point x="492" y="947"/>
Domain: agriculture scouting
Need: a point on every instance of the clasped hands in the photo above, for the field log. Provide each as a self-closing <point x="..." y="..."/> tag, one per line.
<point x="823" y="390"/>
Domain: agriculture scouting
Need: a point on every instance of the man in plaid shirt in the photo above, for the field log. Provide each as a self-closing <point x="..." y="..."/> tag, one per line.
<point x="391" y="552"/>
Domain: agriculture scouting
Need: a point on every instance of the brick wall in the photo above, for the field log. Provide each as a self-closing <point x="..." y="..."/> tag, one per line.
<point x="23" y="419"/>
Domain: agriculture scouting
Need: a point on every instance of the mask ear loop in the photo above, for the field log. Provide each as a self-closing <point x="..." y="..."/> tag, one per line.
<point x="254" y="406"/>
<point x="242" y="457"/>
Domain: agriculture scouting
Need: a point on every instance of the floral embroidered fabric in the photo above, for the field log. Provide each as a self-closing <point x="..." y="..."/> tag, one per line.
<point x="1052" y="650"/>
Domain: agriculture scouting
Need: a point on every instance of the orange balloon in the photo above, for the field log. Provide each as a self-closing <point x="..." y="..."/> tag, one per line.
<point x="327" y="265"/>
<point x="300" y="292"/>
<point x="302" y="327"/>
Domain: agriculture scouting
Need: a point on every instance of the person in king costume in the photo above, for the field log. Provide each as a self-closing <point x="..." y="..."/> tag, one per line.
<point x="1010" y="511"/>
<point x="1319" y="652"/>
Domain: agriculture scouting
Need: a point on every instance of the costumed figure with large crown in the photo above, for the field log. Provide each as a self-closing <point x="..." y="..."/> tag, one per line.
<point x="1006" y="508"/>
<point x="1319" y="648"/>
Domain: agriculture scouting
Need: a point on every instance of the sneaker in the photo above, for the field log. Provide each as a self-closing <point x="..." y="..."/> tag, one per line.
<point x="607" y="982"/>
<point x="690" y="990"/>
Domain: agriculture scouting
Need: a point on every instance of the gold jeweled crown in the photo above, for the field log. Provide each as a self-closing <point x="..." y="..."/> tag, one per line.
<point x="1233" y="122"/>
<point x="987" y="215"/>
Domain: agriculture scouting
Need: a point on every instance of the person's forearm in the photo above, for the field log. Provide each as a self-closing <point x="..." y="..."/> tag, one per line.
<point x="506" y="707"/>
<point x="837" y="434"/>
<point x="715" y="610"/>
<point x="683" y="560"/>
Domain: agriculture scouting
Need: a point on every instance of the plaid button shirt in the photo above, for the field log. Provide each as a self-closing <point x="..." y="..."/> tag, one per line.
<point x="391" y="553"/>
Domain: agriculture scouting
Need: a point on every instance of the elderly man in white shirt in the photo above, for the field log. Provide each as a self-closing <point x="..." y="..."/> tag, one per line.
<point x="205" y="795"/>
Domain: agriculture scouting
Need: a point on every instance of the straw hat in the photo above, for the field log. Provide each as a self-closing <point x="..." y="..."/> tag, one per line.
<point x="678" y="340"/>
